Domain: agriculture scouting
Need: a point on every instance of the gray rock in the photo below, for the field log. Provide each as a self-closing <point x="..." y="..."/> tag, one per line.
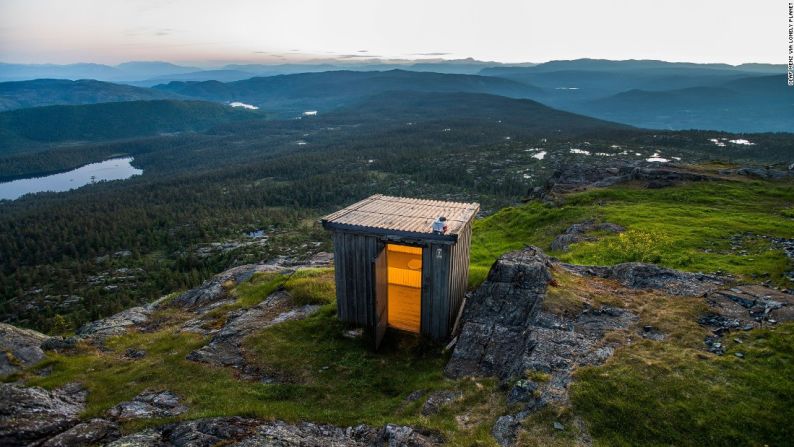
<point x="504" y="430"/>
<point x="558" y="426"/>
<point x="93" y="432"/>
<point x="506" y="334"/>
<point x="116" y="324"/>
<point x="134" y="354"/>
<point x="60" y="343"/>
<point x="321" y="259"/>
<point x="765" y="173"/>
<point x="438" y="400"/>
<point x="414" y="395"/>
<point x="242" y="432"/>
<point x="522" y="392"/>
<point x="29" y="415"/>
<point x="580" y="176"/>
<point x="146" y="438"/>
<point x="639" y="275"/>
<point x="19" y="348"/>
<point x="578" y="233"/>
<point x="224" y="347"/>
<point x="209" y="432"/>
<point x="214" y="291"/>
<point x="494" y="324"/>
<point x="652" y="333"/>
<point x="743" y="307"/>
<point x="148" y="404"/>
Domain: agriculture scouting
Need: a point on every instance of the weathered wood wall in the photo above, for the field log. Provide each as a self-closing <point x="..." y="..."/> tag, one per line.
<point x="459" y="274"/>
<point x="445" y="272"/>
<point x="355" y="288"/>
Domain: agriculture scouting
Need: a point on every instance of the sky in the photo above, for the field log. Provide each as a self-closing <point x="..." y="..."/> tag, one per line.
<point x="208" y="33"/>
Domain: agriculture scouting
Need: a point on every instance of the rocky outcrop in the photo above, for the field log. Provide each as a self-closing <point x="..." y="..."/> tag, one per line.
<point x="214" y="292"/>
<point x="762" y="172"/>
<point x="493" y="332"/>
<point x="250" y="432"/>
<point x="506" y="334"/>
<point x="638" y="275"/>
<point x="200" y="300"/>
<point x="743" y="308"/>
<point x="29" y="415"/>
<point x="578" y="233"/>
<point x="115" y="324"/>
<point x="19" y="348"/>
<point x="92" y="432"/>
<point x="148" y="404"/>
<point x="224" y="349"/>
<point x="573" y="177"/>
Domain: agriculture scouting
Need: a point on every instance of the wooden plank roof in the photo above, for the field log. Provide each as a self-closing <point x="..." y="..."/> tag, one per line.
<point x="402" y="215"/>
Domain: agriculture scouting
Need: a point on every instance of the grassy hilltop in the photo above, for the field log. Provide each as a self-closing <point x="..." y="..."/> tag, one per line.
<point x="669" y="392"/>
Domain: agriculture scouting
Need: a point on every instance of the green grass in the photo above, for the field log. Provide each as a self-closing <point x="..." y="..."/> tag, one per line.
<point x="257" y="288"/>
<point x="324" y="375"/>
<point x="686" y="227"/>
<point x="649" y="393"/>
<point x="658" y="394"/>
<point x="341" y="380"/>
<point x="312" y="286"/>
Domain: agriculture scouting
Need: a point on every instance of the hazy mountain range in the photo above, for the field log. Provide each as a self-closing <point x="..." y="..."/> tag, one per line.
<point x="642" y="93"/>
<point x="155" y="72"/>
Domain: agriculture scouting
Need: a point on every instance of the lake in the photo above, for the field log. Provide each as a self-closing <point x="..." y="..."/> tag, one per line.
<point x="113" y="169"/>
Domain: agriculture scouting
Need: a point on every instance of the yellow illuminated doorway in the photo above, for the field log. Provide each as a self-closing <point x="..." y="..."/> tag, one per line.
<point x="405" y="286"/>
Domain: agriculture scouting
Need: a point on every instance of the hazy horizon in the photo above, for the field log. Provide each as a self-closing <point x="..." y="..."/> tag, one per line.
<point x="205" y="33"/>
<point x="209" y="65"/>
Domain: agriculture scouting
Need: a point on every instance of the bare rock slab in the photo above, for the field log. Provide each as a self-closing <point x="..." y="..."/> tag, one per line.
<point x="243" y="432"/>
<point x="93" y="432"/>
<point x="148" y="404"/>
<point x="638" y="275"/>
<point x="30" y="415"/>
<point x="494" y="324"/>
<point x="19" y="348"/>
<point x="224" y="349"/>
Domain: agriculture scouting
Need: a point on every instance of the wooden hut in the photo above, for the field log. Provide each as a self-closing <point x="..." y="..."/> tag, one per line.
<point x="393" y="271"/>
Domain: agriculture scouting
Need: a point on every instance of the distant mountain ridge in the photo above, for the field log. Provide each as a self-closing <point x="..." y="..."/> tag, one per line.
<point x="333" y="89"/>
<point x="147" y="73"/>
<point x="753" y="104"/>
<point x="48" y="92"/>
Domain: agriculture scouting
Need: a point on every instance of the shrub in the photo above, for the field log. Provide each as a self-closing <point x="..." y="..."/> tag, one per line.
<point x="636" y="246"/>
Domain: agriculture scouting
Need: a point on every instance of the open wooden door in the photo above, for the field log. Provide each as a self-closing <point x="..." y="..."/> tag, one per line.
<point x="381" y="269"/>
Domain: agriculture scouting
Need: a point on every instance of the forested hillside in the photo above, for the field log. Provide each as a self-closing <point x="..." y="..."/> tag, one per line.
<point x="116" y="120"/>
<point x="49" y="92"/>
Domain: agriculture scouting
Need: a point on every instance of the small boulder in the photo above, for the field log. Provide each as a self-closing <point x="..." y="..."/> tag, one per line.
<point x="504" y="430"/>
<point x="438" y="400"/>
<point x="19" y="348"/>
<point x="93" y="432"/>
<point x="148" y="404"/>
<point x="134" y="354"/>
